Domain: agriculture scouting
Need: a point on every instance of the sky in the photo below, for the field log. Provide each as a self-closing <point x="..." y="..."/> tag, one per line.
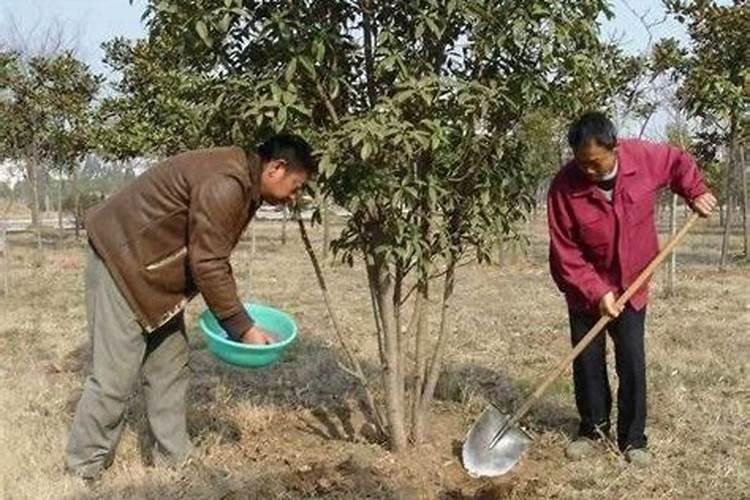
<point x="92" y="22"/>
<point x="628" y="28"/>
<point x="88" y="23"/>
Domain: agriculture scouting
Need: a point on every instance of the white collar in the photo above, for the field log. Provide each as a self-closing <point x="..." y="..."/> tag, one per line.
<point x="610" y="175"/>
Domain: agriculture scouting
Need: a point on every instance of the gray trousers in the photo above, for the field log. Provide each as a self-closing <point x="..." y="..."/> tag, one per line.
<point x="122" y="351"/>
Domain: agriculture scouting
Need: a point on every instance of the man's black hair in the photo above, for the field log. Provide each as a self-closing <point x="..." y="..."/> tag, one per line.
<point x="292" y="148"/>
<point x="592" y="126"/>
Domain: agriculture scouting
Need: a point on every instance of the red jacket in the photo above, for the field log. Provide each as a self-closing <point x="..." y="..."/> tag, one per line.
<point x="597" y="246"/>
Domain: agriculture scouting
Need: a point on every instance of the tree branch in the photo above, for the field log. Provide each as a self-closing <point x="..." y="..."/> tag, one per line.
<point x="356" y="367"/>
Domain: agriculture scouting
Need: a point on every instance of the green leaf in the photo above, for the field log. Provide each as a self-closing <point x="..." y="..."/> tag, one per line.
<point x="388" y="62"/>
<point x="240" y="12"/>
<point x="540" y="11"/>
<point x="319" y="49"/>
<point x="291" y="69"/>
<point x="166" y="6"/>
<point x="325" y="165"/>
<point x="433" y="27"/>
<point x="276" y="92"/>
<point x="366" y="150"/>
<point x="288" y="98"/>
<point x="308" y="64"/>
<point x="202" y="30"/>
<point x="281" y="118"/>
<point x="224" y="23"/>
<point x="303" y="110"/>
<point x="419" y="30"/>
<point x="335" y="90"/>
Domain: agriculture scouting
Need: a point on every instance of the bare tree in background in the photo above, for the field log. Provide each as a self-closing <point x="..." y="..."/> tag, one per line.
<point x="44" y="37"/>
<point x="642" y="100"/>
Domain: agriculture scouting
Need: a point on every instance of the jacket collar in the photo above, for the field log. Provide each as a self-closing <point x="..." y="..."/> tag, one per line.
<point x="255" y="168"/>
<point x="626" y="166"/>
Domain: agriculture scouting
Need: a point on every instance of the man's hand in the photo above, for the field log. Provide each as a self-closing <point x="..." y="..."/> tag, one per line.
<point x="257" y="335"/>
<point x="704" y="204"/>
<point x="608" y="306"/>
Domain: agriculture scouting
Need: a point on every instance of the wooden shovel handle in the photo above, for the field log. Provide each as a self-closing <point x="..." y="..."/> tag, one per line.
<point x="597" y="328"/>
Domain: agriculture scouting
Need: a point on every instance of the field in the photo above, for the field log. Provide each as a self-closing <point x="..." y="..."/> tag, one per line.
<point x="294" y="430"/>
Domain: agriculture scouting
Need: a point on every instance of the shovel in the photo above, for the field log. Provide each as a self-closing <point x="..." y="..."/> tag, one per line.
<point x="495" y="443"/>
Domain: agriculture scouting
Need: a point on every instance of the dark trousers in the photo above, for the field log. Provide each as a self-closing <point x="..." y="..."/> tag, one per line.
<point x="593" y="395"/>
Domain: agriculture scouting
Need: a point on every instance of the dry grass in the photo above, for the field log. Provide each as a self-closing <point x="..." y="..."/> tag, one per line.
<point x="293" y="430"/>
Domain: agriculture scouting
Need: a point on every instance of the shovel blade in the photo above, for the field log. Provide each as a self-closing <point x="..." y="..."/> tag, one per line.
<point x="481" y="460"/>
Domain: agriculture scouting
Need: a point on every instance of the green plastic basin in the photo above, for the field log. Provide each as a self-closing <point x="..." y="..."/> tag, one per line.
<point x="276" y="322"/>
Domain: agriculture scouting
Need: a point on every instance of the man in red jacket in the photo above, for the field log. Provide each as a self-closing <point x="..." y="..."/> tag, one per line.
<point x="602" y="235"/>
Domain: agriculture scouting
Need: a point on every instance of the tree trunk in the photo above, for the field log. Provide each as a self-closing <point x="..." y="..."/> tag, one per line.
<point x="727" y="233"/>
<point x="372" y="281"/>
<point x="672" y="266"/>
<point x="326" y="229"/>
<point x="355" y="367"/>
<point x="32" y="175"/>
<point x="401" y="345"/>
<point x="60" y="230"/>
<point x="250" y="261"/>
<point x="4" y="259"/>
<point x="77" y="215"/>
<point x="743" y="185"/>
<point x="421" y="307"/>
<point x="432" y="372"/>
<point x="384" y="288"/>
<point x="645" y="124"/>
<point x="9" y="205"/>
<point x="368" y="30"/>
<point x="420" y="361"/>
<point x="285" y="217"/>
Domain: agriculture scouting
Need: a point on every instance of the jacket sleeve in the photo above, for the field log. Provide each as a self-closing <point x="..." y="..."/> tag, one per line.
<point x="569" y="268"/>
<point x="676" y="168"/>
<point x="215" y="206"/>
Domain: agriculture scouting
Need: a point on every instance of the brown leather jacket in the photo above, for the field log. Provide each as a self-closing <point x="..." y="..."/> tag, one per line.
<point x="169" y="234"/>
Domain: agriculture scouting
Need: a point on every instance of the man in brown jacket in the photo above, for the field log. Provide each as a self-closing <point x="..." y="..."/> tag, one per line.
<point x="154" y="245"/>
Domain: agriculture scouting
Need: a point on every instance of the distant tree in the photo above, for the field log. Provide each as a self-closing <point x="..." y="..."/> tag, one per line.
<point x="713" y="75"/>
<point x="45" y="118"/>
